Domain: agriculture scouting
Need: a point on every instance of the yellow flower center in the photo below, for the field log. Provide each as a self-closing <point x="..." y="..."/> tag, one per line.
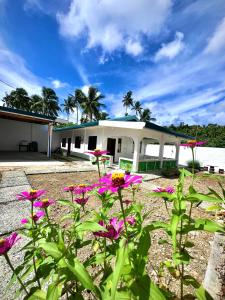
<point x="97" y="150"/>
<point x="45" y="200"/>
<point x="82" y="185"/>
<point x="118" y="179"/>
<point x="2" y="241"/>
<point x="192" y="141"/>
<point x="33" y="191"/>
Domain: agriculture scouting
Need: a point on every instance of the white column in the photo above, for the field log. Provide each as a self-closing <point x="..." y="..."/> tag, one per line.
<point x="177" y="154"/>
<point x="161" y="150"/>
<point x="136" y="154"/>
<point x="49" y="150"/>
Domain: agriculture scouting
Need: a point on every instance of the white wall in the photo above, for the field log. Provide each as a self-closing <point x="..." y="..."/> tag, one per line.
<point x="12" y="132"/>
<point x="205" y="155"/>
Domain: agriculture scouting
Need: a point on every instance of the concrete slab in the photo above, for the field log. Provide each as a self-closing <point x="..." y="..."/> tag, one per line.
<point x="11" y="215"/>
<point x="9" y="194"/>
<point x="14" y="181"/>
<point x="12" y="174"/>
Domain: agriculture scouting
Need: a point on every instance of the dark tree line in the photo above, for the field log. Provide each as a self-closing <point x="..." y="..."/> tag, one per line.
<point x="212" y="133"/>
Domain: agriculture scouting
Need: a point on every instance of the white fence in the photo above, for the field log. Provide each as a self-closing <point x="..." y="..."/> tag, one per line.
<point x="205" y="155"/>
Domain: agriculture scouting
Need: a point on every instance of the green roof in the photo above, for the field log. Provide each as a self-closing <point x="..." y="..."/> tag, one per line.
<point x="26" y="113"/>
<point x="128" y="118"/>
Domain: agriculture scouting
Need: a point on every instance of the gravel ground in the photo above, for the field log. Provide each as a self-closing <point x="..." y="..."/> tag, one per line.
<point x="54" y="183"/>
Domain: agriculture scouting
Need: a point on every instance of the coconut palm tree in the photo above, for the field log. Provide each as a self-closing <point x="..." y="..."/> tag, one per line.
<point x="77" y="98"/>
<point x="18" y="98"/>
<point x="68" y="106"/>
<point x="137" y="107"/>
<point x="146" y="116"/>
<point x="35" y="104"/>
<point x="90" y="103"/>
<point x="127" y="101"/>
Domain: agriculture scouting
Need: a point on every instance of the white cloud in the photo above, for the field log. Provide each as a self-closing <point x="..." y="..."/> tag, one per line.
<point x="13" y="70"/>
<point x="172" y="49"/>
<point x="114" y="25"/>
<point x="57" y="84"/>
<point x="217" y="42"/>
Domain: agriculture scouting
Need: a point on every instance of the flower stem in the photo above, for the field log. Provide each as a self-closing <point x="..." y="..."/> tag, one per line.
<point x="99" y="174"/>
<point x="124" y="218"/>
<point x="13" y="270"/>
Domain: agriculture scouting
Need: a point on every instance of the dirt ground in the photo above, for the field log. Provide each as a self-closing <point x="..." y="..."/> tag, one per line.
<point x="54" y="184"/>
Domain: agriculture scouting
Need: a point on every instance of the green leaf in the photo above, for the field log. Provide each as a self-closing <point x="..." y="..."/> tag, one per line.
<point x="174" y="224"/>
<point x="90" y="226"/>
<point x="208" y="225"/>
<point x="65" y="202"/>
<point x="52" y="249"/>
<point x="190" y="280"/>
<point x="54" y="291"/>
<point x="214" y="207"/>
<point x="121" y="257"/>
<point x="196" y="197"/>
<point x="78" y="269"/>
<point x="38" y="295"/>
<point x="213" y="192"/>
<point x="182" y="257"/>
<point x="202" y="294"/>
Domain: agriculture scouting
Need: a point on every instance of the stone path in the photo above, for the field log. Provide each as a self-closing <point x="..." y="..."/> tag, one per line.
<point x="12" y="211"/>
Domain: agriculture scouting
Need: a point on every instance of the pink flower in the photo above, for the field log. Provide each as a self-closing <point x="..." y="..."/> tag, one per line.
<point x="81" y="201"/>
<point x="193" y="144"/>
<point x="82" y="189"/>
<point x="7" y="243"/>
<point x="168" y="189"/>
<point x="97" y="152"/>
<point x="24" y="221"/>
<point x="131" y="220"/>
<point x="114" y="229"/>
<point x="69" y="188"/>
<point x="32" y="195"/>
<point x="114" y="182"/>
<point x="127" y="202"/>
<point x="44" y="203"/>
<point x="38" y="215"/>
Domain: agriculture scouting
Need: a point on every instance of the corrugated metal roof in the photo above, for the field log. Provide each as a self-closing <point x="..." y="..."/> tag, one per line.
<point x="26" y="113"/>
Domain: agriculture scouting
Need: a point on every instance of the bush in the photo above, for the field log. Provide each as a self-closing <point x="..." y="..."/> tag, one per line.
<point x="170" y="173"/>
<point x="196" y="164"/>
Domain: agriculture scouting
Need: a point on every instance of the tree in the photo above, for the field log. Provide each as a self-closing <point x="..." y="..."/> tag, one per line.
<point x="137" y="108"/>
<point x="127" y="101"/>
<point x="68" y="106"/>
<point x="18" y="99"/>
<point x="35" y="104"/>
<point x="146" y="116"/>
<point x="90" y="103"/>
<point x="103" y="115"/>
<point x="77" y="98"/>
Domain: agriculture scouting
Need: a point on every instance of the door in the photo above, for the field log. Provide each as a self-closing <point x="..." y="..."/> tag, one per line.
<point x="68" y="146"/>
<point x="111" y="147"/>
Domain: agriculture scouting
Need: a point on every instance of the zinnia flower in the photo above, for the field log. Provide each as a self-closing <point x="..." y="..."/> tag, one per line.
<point x="168" y="189"/>
<point x="24" y="221"/>
<point x="69" y="188"/>
<point x="97" y="152"/>
<point x="32" y="195"/>
<point x="82" y="189"/>
<point x="127" y="202"/>
<point x="114" y="229"/>
<point x="193" y="144"/>
<point x="44" y="203"/>
<point x="38" y="215"/>
<point x="81" y="201"/>
<point x="131" y="220"/>
<point x="7" y="243"/>
<point x="114" y="182"/>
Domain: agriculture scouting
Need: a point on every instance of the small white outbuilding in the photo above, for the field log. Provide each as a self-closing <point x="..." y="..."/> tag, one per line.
<point x="125" y="139"/>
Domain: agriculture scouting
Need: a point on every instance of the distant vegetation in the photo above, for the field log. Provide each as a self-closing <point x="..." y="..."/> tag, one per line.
<point x="212" y="133"/>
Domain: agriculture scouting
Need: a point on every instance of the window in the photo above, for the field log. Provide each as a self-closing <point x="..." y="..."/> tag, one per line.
<point x="64" y="142"/>
<point x="77" y="141"/>
<point x="92" y="142"/>
<point x="119" y="145"/>
<point x="140" y="146"/>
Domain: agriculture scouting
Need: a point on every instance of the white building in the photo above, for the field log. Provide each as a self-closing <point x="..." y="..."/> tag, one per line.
<point x="125" y="139"/>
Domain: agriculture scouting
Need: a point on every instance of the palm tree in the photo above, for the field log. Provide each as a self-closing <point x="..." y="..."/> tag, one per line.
<point x="68" y="106"/>
<point x="103" y="115"/>
<point x="77" y="98"/>
<point x="127" y="101"/>
<point x="90" y="103"/>
<point x="18" y="98"/>
<point x="35" y="104"/>
<point x="146" y="116"/>
<point x="137" y="107"/>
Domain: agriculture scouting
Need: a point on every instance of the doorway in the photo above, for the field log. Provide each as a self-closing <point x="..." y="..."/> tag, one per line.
<point x="68" y="146"/>
<point x="111" y="147"/>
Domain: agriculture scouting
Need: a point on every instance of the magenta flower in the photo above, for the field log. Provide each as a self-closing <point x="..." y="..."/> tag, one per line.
<point x="69" y="188"/>
<point x="32" y="195"/>
<point x="24" y="221"/>
<point x="82" y="189"/>
<point x="114" y="182"/>
<point x="7" y="243"/>
<point x="97" y="152"/>
<point x="81" y="201"/>
<point x="38" y="215"/>
<point x="193" y="144"/>
<point x="168" y="189"/>
<point x="131" y="220"/>
<point x="44" y="203"/>
<point x="114" y="229"/>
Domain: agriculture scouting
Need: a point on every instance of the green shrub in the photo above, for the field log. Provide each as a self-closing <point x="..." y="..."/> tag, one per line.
<point x="196" y="164"/>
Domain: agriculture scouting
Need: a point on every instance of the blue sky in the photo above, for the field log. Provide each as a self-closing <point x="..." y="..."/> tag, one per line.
<point x="170" y="53"/>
